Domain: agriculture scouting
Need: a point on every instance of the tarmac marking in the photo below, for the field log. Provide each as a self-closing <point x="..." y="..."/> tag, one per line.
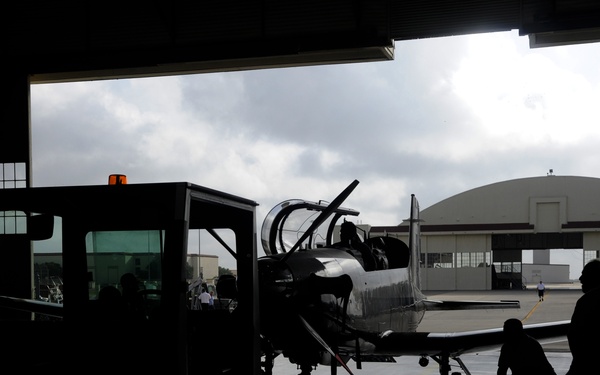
<point x="533" y="309"/>
<point x="531" y="312"/>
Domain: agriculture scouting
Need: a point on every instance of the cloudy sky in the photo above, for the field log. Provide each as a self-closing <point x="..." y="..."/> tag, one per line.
<point x="447" y="115"/>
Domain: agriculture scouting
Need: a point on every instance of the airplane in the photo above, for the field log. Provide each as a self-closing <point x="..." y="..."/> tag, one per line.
<point x="320" y="305"/>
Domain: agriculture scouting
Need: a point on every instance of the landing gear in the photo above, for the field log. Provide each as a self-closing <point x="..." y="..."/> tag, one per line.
<point x="444" y="362"/>
<point x="268" y="364"/>
<point x="305" y="369"/>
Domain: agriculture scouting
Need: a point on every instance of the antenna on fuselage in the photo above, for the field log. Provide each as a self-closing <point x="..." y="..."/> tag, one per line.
<point x="334" y="205"/>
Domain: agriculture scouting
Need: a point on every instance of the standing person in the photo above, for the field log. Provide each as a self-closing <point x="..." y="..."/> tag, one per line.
<point x="211" y="302"/>
<point x="204" y="300"/>
<point x="584" y="329"/>
<point x="349" y="238"/>
<point x="521" y="353"/>
<point x="541" y="289"/>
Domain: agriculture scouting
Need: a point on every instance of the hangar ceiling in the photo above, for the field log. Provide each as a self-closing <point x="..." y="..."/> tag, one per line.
<point x="86" y="40"/>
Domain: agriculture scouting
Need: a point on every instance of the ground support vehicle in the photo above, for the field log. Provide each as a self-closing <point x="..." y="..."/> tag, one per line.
<point x="95" y="234"/>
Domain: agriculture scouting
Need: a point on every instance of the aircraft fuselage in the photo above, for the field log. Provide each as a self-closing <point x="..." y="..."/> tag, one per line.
<point x="313" y="283"/>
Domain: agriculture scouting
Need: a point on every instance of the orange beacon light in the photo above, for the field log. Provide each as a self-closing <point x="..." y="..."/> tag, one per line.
<point x="117" y="179"/>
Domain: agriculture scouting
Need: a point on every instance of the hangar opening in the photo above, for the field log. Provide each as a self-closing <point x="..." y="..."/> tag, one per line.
<point x="508" y="271"/>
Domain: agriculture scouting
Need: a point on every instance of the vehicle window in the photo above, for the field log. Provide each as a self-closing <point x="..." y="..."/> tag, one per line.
<point x="207" y="259"/>
<point x="48" y="267"/>
<point x="120" y="260"/>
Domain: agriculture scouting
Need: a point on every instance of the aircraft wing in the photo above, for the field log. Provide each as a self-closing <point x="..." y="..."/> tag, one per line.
<point x="433" y="305"/>
<point x="454" y="344"/>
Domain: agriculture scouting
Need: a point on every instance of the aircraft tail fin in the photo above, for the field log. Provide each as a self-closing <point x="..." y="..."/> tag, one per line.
<point x="414" y="241"/>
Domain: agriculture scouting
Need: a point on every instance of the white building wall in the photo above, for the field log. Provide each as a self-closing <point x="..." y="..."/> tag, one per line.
<point x="208" y="265"/>
<point x="548" y="273"/>
<point x="468" y="277"/>
<point x="541" y="256"/>
<point x="477" y="278"/>
<point x="438" y="278"/>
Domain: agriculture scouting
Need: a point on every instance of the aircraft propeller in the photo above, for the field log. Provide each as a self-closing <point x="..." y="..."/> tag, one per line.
<point x="322" y="342"/>
<point x="335" y="204"/>
<point x="275" y="275"/>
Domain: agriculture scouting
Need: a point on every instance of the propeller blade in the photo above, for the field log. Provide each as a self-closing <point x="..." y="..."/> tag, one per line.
<point x="335" y="204"/>
<point x="316" y="335"/>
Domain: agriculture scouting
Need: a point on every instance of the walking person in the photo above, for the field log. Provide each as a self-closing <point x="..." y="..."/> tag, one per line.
<point x="541" y="289"/>
<point x="204" y="300"/>
<point x="584" y="329"/>
<point x="521" y="353"/>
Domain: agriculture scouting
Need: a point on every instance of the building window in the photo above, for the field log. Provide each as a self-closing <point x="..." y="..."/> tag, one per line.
<point x="472" y="259"/>
<point x="13" y="222"/>
<point x="437" y="260"/>
<point x="589" y="255"/>
<point x="13" y="175"/>
<point x="508" y="267"/>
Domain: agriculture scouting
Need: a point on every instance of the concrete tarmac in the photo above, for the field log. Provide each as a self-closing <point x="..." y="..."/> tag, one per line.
<point x="559" y="302"/>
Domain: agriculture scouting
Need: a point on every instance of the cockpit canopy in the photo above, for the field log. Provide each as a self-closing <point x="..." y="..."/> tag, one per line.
<point x="288" y="221"/>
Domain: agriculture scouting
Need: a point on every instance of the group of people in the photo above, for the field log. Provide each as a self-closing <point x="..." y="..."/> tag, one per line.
<point x="124" y="304"/>
<point x="522" y="354"/>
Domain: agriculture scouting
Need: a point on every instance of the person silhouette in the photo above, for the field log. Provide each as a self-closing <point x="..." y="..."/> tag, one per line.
<point x="349" y="239"/>
<point x="204" y="298"/>
<point x="521" y="353"/>
<point x="134" y="302"/>
<point x="111" y="304"/>
<point x="584" y="329"/>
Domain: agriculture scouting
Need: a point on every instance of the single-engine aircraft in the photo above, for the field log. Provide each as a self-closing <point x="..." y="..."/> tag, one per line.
<point x="321" y="304"/>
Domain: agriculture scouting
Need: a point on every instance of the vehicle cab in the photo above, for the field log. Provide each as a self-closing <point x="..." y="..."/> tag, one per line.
<point x="78" y="242"/>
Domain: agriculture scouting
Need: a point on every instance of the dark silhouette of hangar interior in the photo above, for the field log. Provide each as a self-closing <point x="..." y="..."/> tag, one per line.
<point x="475" y="239"/>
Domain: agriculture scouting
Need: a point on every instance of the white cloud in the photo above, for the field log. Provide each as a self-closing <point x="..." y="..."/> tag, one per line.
<point x="522" y="97"/>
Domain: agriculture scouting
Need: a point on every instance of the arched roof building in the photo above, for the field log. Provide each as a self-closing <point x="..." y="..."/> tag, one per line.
<point x="474" y="240"/>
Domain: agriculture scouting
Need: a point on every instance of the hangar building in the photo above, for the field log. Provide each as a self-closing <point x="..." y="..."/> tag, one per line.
<point x="475" y="240"/>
